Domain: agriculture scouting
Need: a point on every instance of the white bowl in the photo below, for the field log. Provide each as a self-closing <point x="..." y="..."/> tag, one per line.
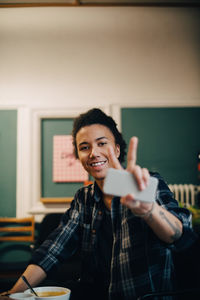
<point x="21" y="296"/>
<point x="44" y="289"/>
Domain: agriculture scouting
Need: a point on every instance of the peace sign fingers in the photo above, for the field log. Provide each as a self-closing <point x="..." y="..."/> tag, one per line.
<point x="141" y="174"/>
<point x="132" y="152"/>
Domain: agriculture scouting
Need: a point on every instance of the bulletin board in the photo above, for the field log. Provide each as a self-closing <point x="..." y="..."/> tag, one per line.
<point x="66" y="167"/>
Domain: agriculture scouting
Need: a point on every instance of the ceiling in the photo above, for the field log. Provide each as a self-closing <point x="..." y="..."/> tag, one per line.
<point x="11" y="3"/>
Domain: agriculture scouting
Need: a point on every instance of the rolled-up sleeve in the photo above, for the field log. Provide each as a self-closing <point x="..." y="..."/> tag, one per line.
<point x="166" y="199"/>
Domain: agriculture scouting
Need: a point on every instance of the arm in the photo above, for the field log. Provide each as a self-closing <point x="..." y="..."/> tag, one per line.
<point x="164" y="224"/>
<point x="34" y="275"/>
<point x="61" y="244"/>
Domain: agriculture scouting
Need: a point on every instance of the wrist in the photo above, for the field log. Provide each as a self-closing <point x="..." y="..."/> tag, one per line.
<point x="148" y="213"/>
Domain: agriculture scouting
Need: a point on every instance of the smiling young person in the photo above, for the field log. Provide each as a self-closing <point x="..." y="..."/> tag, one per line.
<point x="126" y="245"/>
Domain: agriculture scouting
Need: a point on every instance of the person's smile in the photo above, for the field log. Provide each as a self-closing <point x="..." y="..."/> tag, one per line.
<point x="98" y="165"/>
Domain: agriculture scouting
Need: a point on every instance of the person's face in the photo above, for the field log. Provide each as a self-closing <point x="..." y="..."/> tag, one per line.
<point x="93" y="142"/>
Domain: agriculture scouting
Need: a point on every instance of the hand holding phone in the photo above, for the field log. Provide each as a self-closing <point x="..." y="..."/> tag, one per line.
<point x="121" y="183"/>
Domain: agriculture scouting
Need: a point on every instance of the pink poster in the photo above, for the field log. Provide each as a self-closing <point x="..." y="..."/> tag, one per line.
<point x="66" y="168"/>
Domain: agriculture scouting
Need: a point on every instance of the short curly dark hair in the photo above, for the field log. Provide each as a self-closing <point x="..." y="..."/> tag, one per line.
<point x="97" y="116"/>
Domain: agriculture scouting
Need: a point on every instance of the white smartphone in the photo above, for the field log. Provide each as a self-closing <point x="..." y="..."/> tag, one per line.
<point x="120" y="183"/>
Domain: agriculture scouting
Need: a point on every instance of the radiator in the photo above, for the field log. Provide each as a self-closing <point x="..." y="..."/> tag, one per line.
<point x="185" y="193"/>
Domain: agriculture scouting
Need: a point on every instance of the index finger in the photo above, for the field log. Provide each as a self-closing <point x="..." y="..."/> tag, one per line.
<point x="132" y="152"/>
<point x="113" y="160"/>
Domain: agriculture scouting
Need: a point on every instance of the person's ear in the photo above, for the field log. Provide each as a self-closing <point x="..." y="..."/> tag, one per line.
<point x="117" y="150"/>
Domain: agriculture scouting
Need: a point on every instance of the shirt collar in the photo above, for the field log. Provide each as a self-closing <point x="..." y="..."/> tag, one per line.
<point x="97" y="192"/>
<point x="98" y="195"/>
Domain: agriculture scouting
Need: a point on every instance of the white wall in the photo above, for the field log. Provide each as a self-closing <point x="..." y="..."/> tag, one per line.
<point x="139" y="55"/>
<point x="56" y="61"/>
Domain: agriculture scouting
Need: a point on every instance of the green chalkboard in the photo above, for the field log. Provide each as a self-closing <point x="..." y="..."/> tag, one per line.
<point x="49" y="128"/>
<point x="169" y="140"/>
<point x="8" y="135"/>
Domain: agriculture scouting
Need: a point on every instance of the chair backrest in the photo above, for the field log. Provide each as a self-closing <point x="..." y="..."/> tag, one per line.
<point x="47" y="225"/>
<point x="17" y="229"/>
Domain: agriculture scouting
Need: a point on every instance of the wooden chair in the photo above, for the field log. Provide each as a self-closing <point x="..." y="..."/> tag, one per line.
<point x="11" y="229"/>
<point x="17" y="237"/>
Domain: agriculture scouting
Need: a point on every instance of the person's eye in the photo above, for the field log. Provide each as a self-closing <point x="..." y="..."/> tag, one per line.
<point x="83" y="148"/>
<point x="101" y="144"/>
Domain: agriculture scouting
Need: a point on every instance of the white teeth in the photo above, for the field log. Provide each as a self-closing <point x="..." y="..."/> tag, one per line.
<point x="97" y="164"/>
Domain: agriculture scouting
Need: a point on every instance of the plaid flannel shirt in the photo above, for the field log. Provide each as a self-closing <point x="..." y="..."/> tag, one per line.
<point x="141" y="263"/>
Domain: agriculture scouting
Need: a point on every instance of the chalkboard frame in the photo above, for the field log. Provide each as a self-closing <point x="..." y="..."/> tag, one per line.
<point x="38" y="117"/>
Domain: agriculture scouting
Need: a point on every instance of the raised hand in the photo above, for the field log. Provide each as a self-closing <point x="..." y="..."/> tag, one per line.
<point x="140" y="174"/>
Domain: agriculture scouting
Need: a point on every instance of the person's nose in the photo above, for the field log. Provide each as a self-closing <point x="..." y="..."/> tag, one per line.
<point x="94" y="152"/>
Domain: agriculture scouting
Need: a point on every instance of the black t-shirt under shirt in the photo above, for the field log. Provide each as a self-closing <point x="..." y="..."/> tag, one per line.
<point x="104" y="248"/>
